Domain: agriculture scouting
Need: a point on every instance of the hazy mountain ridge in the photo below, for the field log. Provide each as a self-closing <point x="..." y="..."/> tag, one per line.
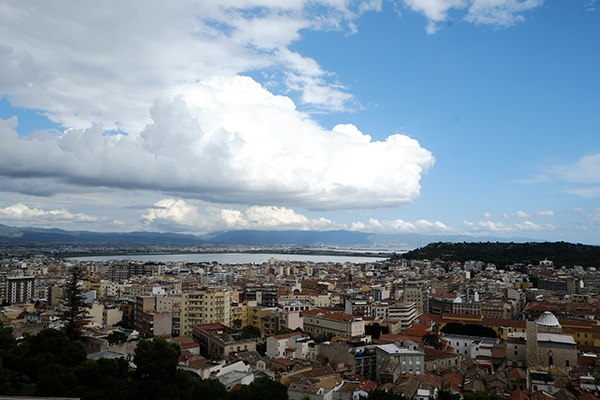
<point x="404" y="241"/>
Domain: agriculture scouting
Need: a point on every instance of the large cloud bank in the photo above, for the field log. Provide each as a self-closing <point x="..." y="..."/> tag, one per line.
<point x="105" y="62"/>
<point x="228" y="140"/>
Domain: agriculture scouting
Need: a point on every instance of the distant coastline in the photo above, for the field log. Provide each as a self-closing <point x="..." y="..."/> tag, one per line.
<point x="256" y="257"/>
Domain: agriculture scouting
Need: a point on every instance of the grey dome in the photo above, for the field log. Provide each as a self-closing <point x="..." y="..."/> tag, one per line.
<point x="548" y="319"/>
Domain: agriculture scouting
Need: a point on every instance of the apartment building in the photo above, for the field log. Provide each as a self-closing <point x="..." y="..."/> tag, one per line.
<point x="217" y="341"/>
<point x="318" y="322"/>
<point x="397" y="358"/>
<point x="406" y="313"/>
<point x="417" y="292"/>
<point x="19" y="289"/>
<point x="290" y="345"/>
<point x="206" y="306"/>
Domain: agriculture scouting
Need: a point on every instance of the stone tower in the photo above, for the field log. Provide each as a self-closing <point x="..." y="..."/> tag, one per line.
<point x="532" y="343"/>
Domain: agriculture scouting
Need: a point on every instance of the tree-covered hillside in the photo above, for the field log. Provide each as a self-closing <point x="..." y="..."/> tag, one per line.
<point x="501" y="254"/>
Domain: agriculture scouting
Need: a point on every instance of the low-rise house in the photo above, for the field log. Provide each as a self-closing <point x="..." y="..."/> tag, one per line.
<point x="436" y="360"/>
<point x="291" y="345"/>
<point x="217" y="341"/>
<point x="318" y="322"/>
<point x="397" y="358"/>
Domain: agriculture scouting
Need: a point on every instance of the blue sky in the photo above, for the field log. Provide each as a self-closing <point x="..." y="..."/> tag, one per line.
<point x="474" y="117"/>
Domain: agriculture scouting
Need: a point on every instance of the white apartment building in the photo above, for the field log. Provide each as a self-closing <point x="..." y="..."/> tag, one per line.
<point x="318" y="322"/>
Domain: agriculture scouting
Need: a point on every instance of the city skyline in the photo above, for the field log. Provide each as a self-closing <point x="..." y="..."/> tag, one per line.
<point x="418" y="116"/>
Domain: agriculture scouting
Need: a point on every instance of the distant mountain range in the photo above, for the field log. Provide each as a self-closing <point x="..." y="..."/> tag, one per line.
<point x="38" y="237"/>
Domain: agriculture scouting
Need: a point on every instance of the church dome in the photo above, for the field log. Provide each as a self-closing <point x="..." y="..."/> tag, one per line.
<point x="547" y="319"/>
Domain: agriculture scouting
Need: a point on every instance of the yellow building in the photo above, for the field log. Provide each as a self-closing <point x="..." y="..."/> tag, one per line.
<point x="97" y="286"/>
<point x="204" y="307"/>
<point x="260" y="316"/>
<point x="239" y="315"/>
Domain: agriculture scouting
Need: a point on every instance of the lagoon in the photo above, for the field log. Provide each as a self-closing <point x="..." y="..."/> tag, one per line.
<point x="233" y="258"/>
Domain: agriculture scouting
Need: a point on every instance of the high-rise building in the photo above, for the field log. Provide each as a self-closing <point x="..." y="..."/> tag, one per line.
<point x="19" y="289"/>
<point x="204" y="306"/>
<point x="417" y="292"/>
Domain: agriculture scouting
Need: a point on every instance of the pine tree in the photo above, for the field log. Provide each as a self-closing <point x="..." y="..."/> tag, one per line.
<point x="74" y="304"/>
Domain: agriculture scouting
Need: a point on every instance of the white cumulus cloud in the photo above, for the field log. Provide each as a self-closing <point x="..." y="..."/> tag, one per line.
<point x="228" y="140"/>
<point x="22" y="213"/>
<point x="179" y="214"/>
<point x="501" y="13"/>
<point x="401" y="226"/>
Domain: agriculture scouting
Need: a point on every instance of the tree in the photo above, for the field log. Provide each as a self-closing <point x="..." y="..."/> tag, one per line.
<point x="480" y="396"/>
<point x="211" y="389"/>
<point x="156" y="361"/>
<point x="444" y="394"/>
<point x="237" y="323"/>
<point x="251" y="332"/>
<point x="261" y="348"/>
<point x="261" y="389"/>
<point x="49" y="346"/>
<point x="75" y="304"/>
<point x="324" y="337"/>
<point x="468" y="330"/>
<point x="376" y="330"/>
<point x="116" y="337"/>
<point x="432" y="340"/>
<point x="383" y="395"/>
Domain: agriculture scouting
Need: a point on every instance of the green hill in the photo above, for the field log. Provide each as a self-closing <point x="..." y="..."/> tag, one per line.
<point x="501" y="254"/>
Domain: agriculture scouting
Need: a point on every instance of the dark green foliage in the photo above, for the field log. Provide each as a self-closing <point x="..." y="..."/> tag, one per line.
<point x="383" y="395"/>
<point x="59" y="368"/>
<point x="8" y="348"/>
<point x="210" y="389"/>
<point x="325" y="337"/>
<point x="75" y="305"/>
<point x="251" y="332"/>
<point x="50" y="346"/>
<point x="284" y="331"/>
<point x="54" y="380"/>
<point x="103" y="380"/>
<point x="261" y="389"/>
<point x="376" y="330"/>
<point x="116" y="337"/>
<point x="156" y="361"/>
<point x="502" y="254"/>
<point x="432" y="340"/>
<point x="443" y="394"/>
<point x="5" y="375"/>
<point x="455" y="328"/>
<point x="261" y="348"/>
<point x="480" y="396"/>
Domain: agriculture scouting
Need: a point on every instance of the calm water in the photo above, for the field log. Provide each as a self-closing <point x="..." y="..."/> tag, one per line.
<point x="232" y="258"/>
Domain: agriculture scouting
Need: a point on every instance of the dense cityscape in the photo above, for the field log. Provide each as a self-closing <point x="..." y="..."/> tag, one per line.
<point x="420" y="329"/>
<point x="300" y="200"/>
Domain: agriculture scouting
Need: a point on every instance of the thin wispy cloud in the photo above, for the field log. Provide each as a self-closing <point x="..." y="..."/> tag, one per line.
<point x="21" y="212"/>
<point x="532" y="214"/>
<point x="492" y="227"/>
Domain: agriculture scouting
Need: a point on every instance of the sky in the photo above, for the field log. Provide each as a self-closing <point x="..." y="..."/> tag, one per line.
<point x="470" y="117"/>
